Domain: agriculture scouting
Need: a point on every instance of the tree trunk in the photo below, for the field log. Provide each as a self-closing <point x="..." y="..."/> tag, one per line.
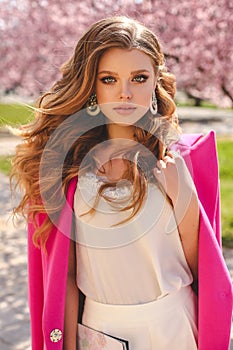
<point x="197" y="100"/>
<point x="227" y="93"/>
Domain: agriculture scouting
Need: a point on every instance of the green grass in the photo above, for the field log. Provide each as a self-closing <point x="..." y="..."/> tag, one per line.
<point x="5" y="165"/>
<point x="15" y="114"/>
<point x="225" y="153"/>
<point x="204" y="104"/>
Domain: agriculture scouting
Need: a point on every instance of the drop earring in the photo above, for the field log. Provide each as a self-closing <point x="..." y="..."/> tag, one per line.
<point x="92" y="106"/>
<point x="153" y="104"/>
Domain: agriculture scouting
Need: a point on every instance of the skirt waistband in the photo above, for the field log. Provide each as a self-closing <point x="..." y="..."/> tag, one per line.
<point x="143" y="311"/>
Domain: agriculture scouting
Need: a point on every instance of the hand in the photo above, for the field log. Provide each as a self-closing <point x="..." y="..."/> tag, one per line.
<point x="173" y="174"/>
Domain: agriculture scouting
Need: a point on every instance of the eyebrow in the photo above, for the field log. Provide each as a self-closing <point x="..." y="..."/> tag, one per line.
<point x="133" y="72"/>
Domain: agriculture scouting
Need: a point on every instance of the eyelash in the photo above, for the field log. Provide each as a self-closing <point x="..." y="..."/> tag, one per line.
<point x="142" y="78"/>
<point x="108" y="80"/>
<point x="138" y="79"/>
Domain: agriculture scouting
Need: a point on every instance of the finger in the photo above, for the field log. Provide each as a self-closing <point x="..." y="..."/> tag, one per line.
<point x="168" y="159"/>
<point x="158" y="173"/>
<point x="161" y="164"/>
<point x="170" y="154"/>
<point x="159" y="169"/>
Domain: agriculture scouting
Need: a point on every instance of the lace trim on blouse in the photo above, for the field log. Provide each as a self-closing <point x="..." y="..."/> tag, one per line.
<point x="92" y="182"/>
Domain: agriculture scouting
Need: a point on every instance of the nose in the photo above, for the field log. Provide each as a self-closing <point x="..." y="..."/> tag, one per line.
<point x="125" y="93"/>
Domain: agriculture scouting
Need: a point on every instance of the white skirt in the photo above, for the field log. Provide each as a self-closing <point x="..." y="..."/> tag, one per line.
<point x="164" y="324"/>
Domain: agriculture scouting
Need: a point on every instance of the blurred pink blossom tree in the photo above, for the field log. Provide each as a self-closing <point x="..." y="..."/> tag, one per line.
<point x="36" y="37"/>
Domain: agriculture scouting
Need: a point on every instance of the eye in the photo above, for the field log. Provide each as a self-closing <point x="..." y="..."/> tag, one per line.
<point x="108" y="80"/>
<point x="140" y="78"/>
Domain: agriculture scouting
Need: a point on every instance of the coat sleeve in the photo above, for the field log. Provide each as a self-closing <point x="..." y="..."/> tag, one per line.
<point x="214" y="291"/>
<point x="35" y="291"/>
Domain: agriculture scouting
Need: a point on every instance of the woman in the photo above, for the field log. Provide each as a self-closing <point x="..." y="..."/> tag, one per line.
<point x="132" y="248"/>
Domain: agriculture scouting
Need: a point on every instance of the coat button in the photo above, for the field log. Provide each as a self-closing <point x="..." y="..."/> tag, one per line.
<point x="56" y="335"/>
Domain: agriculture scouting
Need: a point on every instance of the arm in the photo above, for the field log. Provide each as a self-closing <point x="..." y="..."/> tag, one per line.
<point x="176" y="180"/>
<point x="71" y="306"/>
<point x="188" y="227"/>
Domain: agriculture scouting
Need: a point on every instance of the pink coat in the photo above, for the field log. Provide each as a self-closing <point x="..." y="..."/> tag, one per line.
<point x="48" y="273"/>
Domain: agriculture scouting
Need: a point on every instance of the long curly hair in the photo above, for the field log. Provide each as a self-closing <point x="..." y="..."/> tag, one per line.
<point x="60" y="116"/>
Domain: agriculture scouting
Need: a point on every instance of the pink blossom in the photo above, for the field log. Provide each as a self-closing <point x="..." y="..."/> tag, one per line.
<point x="38" y="36"/>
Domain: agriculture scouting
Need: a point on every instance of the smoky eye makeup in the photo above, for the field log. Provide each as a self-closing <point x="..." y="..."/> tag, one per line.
<point x="140" y="78"/>
<point x="108" y="79"/>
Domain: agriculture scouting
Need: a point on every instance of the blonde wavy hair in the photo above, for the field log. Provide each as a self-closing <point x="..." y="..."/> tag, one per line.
<point x="69" y="97"/>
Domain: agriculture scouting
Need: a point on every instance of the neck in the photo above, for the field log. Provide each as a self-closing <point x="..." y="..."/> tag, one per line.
<point x="120" y="131"/>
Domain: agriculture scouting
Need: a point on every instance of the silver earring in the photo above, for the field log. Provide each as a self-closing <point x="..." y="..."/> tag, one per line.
<point x="92" y="106"/>
<point x="153" y="104"/>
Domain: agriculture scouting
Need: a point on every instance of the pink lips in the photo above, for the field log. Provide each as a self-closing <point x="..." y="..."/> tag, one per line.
<point x="125" y="109"/>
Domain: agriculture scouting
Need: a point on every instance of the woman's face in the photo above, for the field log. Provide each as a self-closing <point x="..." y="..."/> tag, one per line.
<point x="124" y="85"/>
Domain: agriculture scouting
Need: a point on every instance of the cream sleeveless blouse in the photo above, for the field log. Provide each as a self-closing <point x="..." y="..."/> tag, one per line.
<point x="133" y="262"/>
